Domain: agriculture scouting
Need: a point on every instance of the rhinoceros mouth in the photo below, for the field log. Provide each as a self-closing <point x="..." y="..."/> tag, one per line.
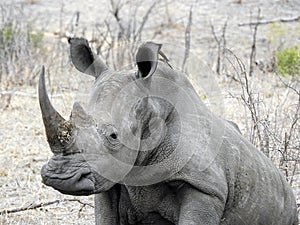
<point x="72" y="181"/>
<point x="72" y="175"/>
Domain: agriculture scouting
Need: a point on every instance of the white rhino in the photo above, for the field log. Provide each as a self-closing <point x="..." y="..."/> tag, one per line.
<point x="152" y="153"/>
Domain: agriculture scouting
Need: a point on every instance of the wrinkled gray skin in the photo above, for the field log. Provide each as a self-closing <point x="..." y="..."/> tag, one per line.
<point x="226" y="182"/>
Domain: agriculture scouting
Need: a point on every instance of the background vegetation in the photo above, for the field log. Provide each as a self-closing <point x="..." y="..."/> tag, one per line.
<point x="242" y="56"/>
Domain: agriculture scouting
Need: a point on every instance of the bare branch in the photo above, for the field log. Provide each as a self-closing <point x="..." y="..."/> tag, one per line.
<point x="288" y="85"/>
<point x="253" y="47"/>
<point x="141" y="27"/>
<point x="289" y="20"/>
<point x="115" y="11"/>
<point x="20" y="93"/>
<point x="43" y="204"/>
<point x="73" y="25"/>
<point x="248" y="99"/>
<point x="187" y="39"/>
<point x="221" y="43"/>
<point x="219" y="46"/>
<point x="224" y="36"/>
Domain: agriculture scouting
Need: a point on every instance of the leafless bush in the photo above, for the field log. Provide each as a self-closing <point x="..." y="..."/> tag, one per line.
<point x="20" y="44"/>
<point x="274" y="126"/>
<point x="117" y="38"/>
<point x="24" y="48"/>
<point x="272" y="122"/>
<point x="221" y="45"/>
<point x="20" y="49"/>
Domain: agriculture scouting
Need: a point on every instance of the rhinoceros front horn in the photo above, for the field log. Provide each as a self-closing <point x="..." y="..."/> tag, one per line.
<point x="58" y="130"/>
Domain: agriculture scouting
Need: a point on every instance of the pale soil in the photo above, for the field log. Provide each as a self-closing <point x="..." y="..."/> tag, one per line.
<point x="23" y="146"/>
<point x="23" y="151"/>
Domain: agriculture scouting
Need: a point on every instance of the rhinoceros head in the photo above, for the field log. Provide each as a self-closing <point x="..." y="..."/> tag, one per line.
<point x="96" y="148"/>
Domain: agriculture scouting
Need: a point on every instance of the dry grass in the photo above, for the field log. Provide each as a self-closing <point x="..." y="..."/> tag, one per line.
<point x="23" y="151"/>
<point x="23" y="146"/>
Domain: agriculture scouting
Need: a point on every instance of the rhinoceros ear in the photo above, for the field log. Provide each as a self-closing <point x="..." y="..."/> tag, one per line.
<point x="84" y="59"/>
<point x="147" y="59"/>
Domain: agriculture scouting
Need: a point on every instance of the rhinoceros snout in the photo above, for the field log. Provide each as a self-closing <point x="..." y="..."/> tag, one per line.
<point x="68" y="179"/>
<point x="73" y="175"/>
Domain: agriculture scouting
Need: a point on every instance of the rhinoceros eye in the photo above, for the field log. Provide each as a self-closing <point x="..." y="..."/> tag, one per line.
<point x="113" y="136"/>
<point x="109" y="134"/>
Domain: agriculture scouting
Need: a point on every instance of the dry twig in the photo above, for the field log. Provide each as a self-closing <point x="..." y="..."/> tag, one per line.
<point x="43" y="204"/>
<point x="21" y="93"/>
<point x="281" y="20"/>
<point x="253" y="47"/>
<point x="187" y="39"/>
<point x="221" y="42"/>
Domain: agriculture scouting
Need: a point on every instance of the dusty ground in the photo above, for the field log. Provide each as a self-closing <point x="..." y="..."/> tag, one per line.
<point x="23" y="146"/>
